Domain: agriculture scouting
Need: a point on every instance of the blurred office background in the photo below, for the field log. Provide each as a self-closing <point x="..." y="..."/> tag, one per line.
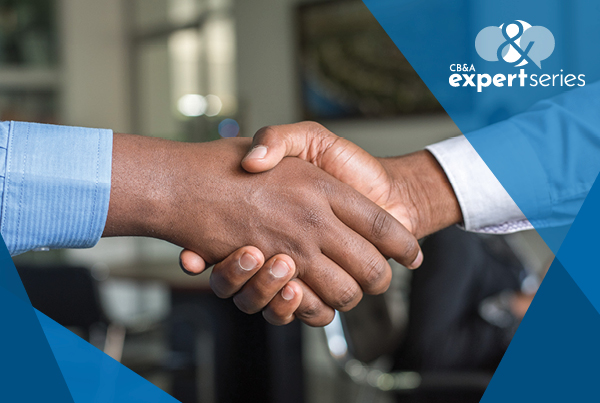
<point x="196" y="70"/>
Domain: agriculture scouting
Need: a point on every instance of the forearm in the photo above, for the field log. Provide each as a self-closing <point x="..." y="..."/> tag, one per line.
<point x="141" y="186"/>
<point x="419" y="182"/>
<point x="168" y="190"/>
<point x="181" y="193"/>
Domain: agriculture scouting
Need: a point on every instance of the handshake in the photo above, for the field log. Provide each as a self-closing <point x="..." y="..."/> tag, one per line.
<point x="299" y="221"/>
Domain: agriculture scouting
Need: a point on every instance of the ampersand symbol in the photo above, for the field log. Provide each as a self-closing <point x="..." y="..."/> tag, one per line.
<point x="495" y="43"/>
<point x="511" y="41"/>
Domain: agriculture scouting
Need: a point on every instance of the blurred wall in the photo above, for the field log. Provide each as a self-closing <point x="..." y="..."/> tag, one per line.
<point x="96" y="78"/>
<point x="94" y="64"/>
<point x="269" y="93"/>
<point x="95" y="93"/>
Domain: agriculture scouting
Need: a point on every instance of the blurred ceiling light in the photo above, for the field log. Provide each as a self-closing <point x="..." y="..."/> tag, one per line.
<point x="220" y="37"/>
<point x="214" y="105"/>
<point x="192" y="105"/>
<point x="229" y="128"/>
<point x="184" y="45"/>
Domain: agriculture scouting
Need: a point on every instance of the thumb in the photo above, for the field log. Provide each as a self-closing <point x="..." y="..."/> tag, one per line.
<point x="272" y="143"/>
<point x="191" y="262"/>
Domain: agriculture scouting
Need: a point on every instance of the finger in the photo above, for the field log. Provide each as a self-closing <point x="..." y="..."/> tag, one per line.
<point x="265" y="284"/>
<point x="312" y="310"/>
<point x="332" y="284"/>
<point x="229" y="276"/>
<point x="359" y="258"/>
<point x="376" y="225"/>
<point x="280" y="311"/>
<point x="191" y="263"/>
<point x="306" y="140"/>
<point x="312" y="142"/>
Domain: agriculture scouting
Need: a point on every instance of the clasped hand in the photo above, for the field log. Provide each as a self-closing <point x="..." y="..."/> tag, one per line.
<point x="318" y="243"/>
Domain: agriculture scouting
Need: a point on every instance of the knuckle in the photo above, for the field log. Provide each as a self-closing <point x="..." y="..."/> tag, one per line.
<point x="313" y="218"/>
<point x="323" y="320"/>
<point x="322" y="137"/>
<point x="265" y="132"/>
<point x="278" y="310"/>
<point x="381" y="225"/>
<point x="326" y="187"/>
<point x="314" y="126"/>
<point x="298" y="249"/>
<point x="348" y="296"/>
<point x="310" y="310"/>
<point x="375" y="274"/>
<point x="276" y="318"/>
<point x="410" y="251"/>
<point x="261" y="294"/>
<point x="244" y="305"/>
<point x="218" y="286"/>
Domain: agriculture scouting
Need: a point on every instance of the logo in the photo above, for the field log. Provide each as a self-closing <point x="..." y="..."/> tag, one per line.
<point x="517" y="43"/>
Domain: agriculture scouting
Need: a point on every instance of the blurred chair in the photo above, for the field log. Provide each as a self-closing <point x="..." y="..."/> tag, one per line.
<point x="69" y="295"/>
<point x="450" y="352"/>
<point x="344" y="342"/>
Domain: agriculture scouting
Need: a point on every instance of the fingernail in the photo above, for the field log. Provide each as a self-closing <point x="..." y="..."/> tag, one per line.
<point x="248" y="262"/>
<point x="287" y="293"/>
<point x="280" y="269"/>
<point x="417" y="261"/>
<point x="258" y="152"/>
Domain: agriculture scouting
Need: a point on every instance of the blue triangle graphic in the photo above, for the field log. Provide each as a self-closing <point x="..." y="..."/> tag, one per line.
<point x="9" y="278"/>
<point x="42" y="361"/>
<point x="554" y="355"/>
<point x="29" y="371"/>
<point x="93" y="376"/>
<point x="579" y="251"/>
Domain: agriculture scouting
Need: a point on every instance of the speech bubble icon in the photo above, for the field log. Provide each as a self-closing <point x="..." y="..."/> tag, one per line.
<point x="487" y="42"/>
<point x="543" y="44"/>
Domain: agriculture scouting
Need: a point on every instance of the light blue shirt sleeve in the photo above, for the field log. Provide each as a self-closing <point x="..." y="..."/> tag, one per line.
<point x="54" y="185"/>
<point x="547" y="158"/>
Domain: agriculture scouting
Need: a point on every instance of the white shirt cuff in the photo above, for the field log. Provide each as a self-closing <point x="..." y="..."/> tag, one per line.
<point x="485" y="205"/>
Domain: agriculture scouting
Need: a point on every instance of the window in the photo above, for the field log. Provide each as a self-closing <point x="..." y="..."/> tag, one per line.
<point x="183" y="68"/>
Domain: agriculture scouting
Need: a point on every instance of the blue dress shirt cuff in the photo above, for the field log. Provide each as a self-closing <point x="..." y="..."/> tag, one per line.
<point x="523" y="176"/>
<point x="56" y="185"/>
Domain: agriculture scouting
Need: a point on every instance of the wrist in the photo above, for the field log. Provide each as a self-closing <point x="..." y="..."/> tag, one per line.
<point x="420" y="184"/>
<point x="171" y="190"/>
<point x="142" y="191"/>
